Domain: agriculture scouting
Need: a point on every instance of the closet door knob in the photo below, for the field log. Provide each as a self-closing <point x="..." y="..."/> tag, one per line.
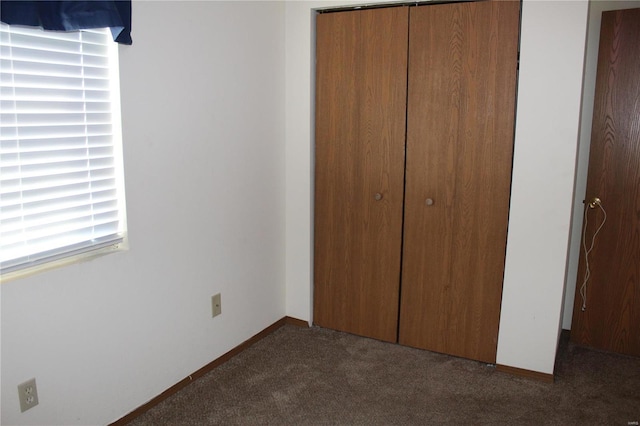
<point x="429" y="201"/>
<point x="378" y="196"/>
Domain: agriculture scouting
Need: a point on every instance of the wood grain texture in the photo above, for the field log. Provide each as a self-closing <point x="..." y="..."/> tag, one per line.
<point x="361" y="67"/>
<point x="611" y="320"/>
<point x="462" y="91"/>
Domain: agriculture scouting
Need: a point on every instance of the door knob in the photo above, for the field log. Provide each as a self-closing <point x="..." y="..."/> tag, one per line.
<point x="429" y="201"/>
<point x="378" y="196"/>
<point x="594" y="202"/>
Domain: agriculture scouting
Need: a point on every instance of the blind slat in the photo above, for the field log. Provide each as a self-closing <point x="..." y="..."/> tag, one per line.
<point x="17" y="194"/>
<point x="58" y="222"/>
<point x="12" y="214"/>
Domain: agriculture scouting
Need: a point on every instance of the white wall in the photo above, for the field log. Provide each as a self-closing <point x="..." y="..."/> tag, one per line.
<point x="203" y="123"/>
<point x="545" y="149"/>
<point x="593" y="39"/>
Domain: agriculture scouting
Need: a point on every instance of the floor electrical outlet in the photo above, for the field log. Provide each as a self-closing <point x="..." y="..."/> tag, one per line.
<point x="216" y="305"/>
<point x="28" y="395"/>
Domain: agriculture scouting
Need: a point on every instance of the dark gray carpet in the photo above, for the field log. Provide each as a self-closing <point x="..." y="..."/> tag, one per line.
<point x="314" y="376"/>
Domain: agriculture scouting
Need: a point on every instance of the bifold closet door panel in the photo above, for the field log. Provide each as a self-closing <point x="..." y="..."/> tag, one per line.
<point x="460" y="130"/>
<point x="361" y="74"/>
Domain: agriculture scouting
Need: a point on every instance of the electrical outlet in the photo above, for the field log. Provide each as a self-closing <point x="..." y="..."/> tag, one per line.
<point x="216" y="305"/>
<point x="28" y="395"/>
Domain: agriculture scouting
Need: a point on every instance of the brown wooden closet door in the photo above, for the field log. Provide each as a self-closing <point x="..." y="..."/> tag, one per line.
<point x="462" y="91"/>
<point x="611" y="319"/>
<point x="361" y="78"/>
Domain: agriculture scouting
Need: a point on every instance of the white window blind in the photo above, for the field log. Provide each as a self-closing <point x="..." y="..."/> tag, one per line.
<point x="61" y="190"/>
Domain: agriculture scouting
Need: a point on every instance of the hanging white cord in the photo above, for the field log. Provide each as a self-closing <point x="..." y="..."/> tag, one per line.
<point x="587" y="271"/>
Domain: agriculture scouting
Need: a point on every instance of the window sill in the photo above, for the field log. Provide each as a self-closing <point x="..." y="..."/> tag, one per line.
<point x="55" y="264"/>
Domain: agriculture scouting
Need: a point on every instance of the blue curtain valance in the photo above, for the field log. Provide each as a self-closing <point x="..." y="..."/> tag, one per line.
<point x="71" y="15"/>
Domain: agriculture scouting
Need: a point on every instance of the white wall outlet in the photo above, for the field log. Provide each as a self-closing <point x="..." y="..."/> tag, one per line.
<point x="216" y="305"/>
<point x="28" y="395"/>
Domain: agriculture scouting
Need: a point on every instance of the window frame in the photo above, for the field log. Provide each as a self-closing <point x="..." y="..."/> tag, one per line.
<point x="93" y="250"/>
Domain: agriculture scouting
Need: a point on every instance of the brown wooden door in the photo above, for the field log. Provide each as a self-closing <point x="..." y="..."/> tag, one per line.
<point x="460" y="130"/>
<point x="361" y="74"/>
<point x="611" y="319"/>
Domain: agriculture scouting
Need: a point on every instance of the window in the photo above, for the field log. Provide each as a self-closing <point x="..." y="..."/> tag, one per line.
<point x="61" y="178"/>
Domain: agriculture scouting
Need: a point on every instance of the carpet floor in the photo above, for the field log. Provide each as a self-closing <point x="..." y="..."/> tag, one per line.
<point x="314" y="376"/>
